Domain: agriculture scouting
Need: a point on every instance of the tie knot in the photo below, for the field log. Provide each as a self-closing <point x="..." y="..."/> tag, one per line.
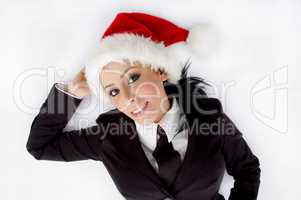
<point x="162" y="139"/>
<point x="160" y="131"/>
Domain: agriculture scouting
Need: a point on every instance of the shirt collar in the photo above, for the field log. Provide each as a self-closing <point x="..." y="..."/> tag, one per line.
<point x="169" y="122"/>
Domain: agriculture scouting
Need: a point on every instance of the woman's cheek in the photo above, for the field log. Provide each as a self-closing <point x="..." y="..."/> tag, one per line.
<point x="116" y="102"/>
<point x="148" y="90"/>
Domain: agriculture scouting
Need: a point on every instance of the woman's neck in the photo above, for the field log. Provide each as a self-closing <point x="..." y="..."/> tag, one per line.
<point x="167" y="107"/>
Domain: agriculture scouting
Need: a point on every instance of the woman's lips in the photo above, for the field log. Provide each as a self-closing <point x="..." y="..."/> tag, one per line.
<point x="140" y="111"/>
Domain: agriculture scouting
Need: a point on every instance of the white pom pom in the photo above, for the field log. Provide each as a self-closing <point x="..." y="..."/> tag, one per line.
<point x="203" y="40"/>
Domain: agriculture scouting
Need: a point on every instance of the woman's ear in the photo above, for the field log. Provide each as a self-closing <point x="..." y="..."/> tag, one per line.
<point x="163" y="76"/>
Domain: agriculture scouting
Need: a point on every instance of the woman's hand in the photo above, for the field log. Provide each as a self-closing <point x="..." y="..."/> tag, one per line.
<point x="78" y="86"/>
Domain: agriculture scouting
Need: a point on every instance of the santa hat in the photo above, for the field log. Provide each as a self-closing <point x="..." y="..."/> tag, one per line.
<point x="154" y="41"/>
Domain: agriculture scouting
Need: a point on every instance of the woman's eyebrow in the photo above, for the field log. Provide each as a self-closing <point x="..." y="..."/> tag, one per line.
<point x="125" y="71"/>
<point x="108" y="85"/>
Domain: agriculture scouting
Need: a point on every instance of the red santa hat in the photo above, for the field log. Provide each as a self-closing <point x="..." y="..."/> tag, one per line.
<point x="153" y="41"/>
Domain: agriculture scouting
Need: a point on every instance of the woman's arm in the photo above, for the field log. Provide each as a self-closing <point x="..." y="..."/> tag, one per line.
<point x="48" y="141"/>
<point x="240" y="162"/>
<point x="64" y="88"/>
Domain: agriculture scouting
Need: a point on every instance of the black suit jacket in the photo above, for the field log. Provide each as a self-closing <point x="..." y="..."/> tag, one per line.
<point x="114" y="141"/>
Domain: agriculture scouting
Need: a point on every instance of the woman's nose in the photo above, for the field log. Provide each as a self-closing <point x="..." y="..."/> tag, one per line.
<point x="132" y="99"/>
<point x="129" y="96"/>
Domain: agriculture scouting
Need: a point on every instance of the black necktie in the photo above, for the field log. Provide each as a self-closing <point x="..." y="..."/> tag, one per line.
<point x="168" y="159"/>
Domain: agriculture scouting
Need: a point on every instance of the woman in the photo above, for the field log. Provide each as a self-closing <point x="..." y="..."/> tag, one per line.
<point x="165" y="139"/>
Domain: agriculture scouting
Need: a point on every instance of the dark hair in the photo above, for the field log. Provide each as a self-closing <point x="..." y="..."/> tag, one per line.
<point x="186" y="88"/>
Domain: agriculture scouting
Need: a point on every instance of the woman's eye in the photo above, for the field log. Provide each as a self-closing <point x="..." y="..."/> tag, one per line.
<point x="134" y="77"/>
<point x="113" y="92"/>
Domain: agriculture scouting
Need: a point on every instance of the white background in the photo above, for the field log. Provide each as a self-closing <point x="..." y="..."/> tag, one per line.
<point x="251" y="60"/>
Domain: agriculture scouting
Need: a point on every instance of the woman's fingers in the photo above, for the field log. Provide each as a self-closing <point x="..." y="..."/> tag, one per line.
<point x="79" y="85"/>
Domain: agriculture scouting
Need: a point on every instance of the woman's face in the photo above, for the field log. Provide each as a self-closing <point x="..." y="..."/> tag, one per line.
<point x="136" y="91"/>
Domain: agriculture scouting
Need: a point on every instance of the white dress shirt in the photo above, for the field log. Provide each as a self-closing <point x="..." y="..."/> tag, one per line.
<point x="148" y="132"/>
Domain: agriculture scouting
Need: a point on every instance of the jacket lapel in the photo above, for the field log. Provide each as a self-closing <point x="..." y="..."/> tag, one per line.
<point x="186" y="164"/>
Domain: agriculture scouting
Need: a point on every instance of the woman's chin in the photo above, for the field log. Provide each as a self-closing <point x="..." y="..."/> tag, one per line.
<point x="144" y="119"/>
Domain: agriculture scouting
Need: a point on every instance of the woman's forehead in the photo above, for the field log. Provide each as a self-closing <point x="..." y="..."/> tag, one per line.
<point x="120" y="65"/>
<point x="116" y="68"/>
<point x="114" y="65"/>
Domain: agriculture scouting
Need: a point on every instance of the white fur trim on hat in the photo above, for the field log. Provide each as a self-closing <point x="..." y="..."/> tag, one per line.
<point x="136" y="47"/>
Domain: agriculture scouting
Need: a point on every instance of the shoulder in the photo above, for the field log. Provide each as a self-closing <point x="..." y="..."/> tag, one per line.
<point x="211" y="103"/>
<point x="204" y="112"/>
<point x="115" y="127"/>
<point x="206" y="106"/>
<point x="112" y="116"/>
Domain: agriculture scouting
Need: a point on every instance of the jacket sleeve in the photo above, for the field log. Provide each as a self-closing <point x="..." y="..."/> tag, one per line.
<point x="63" y="88"/>
<point x="48" y="141"/>
<point x="240" y="161"/>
